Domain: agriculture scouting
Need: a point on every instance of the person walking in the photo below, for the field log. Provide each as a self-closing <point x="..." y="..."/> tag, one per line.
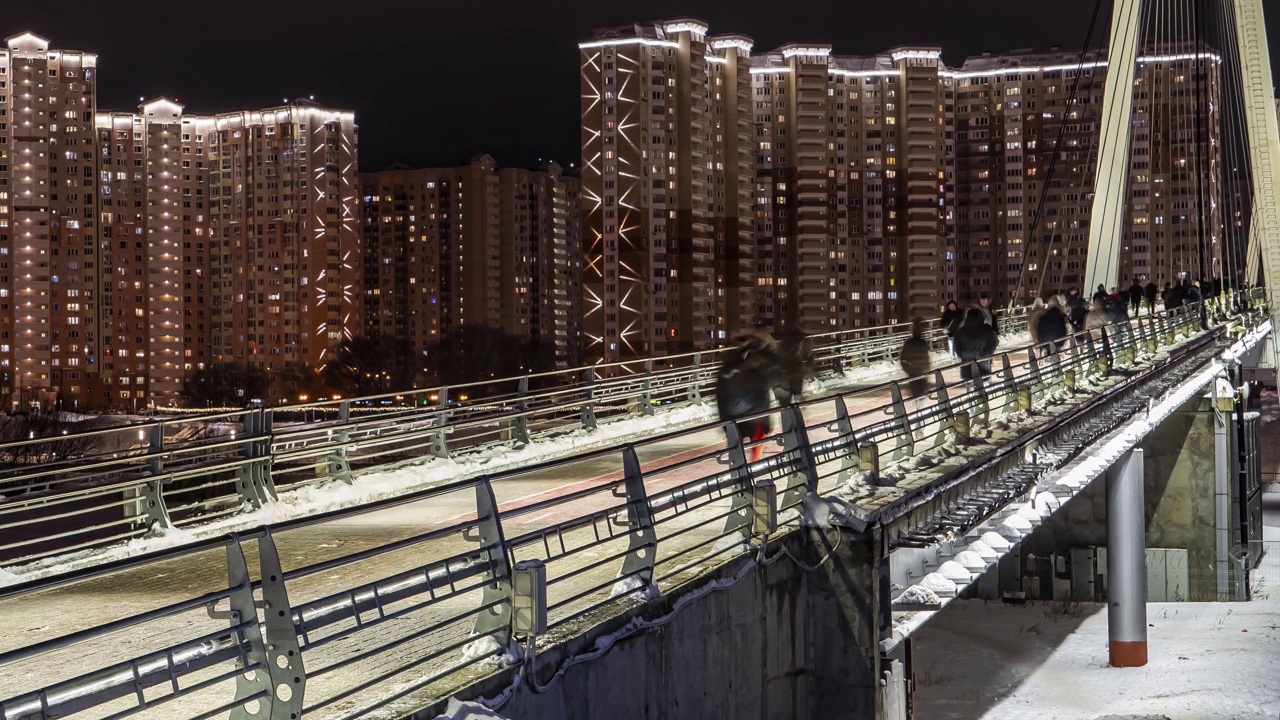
<point x="795" y="352"/>
<point x="1051" y="329"/>
<point x="976" y="341"/>
<point x="952" y="317"/>
<point x="915" y="359"/>
<point x="1135" y="296"/>
<point x="1150" y="291"/>
<point x="742" y="387"/>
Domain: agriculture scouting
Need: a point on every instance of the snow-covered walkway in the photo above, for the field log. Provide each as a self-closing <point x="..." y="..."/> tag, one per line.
<point x="1048" y="661"/>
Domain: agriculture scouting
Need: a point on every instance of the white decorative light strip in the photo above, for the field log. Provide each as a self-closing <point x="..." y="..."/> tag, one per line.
<point x="768" y="70"/>
<point x="727" y="43"/>
<point x="813" y="50"/>
<point x="686" y="26"/>
<point x="1074" y="66"/>
<point x="626" y="41"/>
<point x="916" y="55"/>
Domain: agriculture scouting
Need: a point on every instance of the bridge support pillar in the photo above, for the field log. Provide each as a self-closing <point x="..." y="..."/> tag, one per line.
<point x="849" y="614"/>
<point x="1126" y="562"/>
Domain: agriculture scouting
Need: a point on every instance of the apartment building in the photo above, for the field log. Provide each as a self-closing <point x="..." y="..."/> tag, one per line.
<point x="285" y="254"/>
<point x="666" y="182"/>
<point x="854" y="202"/>
<point x="540" y="247"/>
<point x="49" y="312"/>
<point x="1027" y="133"/>
<point x="473" y="245"/>
<point x="155" y="273"/>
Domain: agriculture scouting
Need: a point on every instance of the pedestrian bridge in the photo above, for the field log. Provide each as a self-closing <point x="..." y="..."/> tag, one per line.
<point x="388" y="607"/>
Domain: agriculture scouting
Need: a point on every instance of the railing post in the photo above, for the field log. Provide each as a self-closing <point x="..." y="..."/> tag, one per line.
<point x="495" y="620"/>
<point x="795" y="443"/>
<point x="1010" y="389"/>
<point x="642" y="541"/>
<point x="646" y="398"/>
<point x="588" y="410"/>
<point x="151" y="506"/>
<point x="978" y="388"/>
<point x="849" y="460"/>
<point x="155" y="449"/>
<point x="906" y="447"/>
<point x="247" y="636"/>
<point x="284" y="656"/>
<point x="339" y="461"/>
<point x="1034" y="387"/>
<point x="739" y="520"/>
<point x="520" y="423"/>
<point x="253" y="478"/>
<point x="695" y="389"/>
<point x="947" y="414"/>
<point x="439" y="443"/>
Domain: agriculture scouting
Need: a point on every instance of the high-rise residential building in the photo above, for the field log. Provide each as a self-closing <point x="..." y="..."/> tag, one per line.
<point x="155" y="228"/>
<point x="473" y="245"/>
<point x="1022" y="140"/>
<point x="666" y="181"/>
<point x="540" y="245"/>
<point x="49" y="264"/>
<point x="285" y="253"/>
<point x="854" y="191"/>
<point x="229" y="238"/>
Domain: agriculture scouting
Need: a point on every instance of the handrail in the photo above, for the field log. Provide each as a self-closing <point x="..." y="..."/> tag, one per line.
<point x="187" y="471"/>
<point x="342" y="634"/>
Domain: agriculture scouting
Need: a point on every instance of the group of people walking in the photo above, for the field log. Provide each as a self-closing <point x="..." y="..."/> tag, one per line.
<point x="757" y="368"/>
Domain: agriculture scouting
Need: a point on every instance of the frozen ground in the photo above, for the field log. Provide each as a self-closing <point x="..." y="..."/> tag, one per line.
<point x="1208" y="661"/>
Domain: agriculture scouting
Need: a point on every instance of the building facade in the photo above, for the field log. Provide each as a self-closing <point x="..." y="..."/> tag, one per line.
<point x="854" y="196"/>
<point x="473" y="245"/>
<point x="666" y="182"/>
<point x="50" y="336"/>
<point x="1027" y="133"/>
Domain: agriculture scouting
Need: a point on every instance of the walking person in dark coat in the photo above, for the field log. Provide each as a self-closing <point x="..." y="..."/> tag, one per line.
<point x="1135" y="297"/>
<point x="742" y="387"/>
<point x="794" y="353"/>
<point x="952" y="317"/>
<point x="975" y="340"/>
<point x="1150" y="291"/>
<point x="1051" y="329"/>
<point x="915" y="359"/>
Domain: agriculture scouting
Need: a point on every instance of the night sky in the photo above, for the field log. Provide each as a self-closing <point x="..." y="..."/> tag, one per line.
<point x="435" y="82"/>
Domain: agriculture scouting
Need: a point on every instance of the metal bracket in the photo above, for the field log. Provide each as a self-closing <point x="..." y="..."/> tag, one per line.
<point x="646" y="397"/>
<point x="739" y="520"/>
<point x="849" y="461"/>
<point x="944" y="405"/>
<point x="642" y="541"/>
<point x="520" y="424"/>
<point x="695" y="388"/>
<point x="288" y="677"/>
<point x="795" y="443"/>
<point x="495" y="620"/>
<point x="588" y="410"/>
<point x="253" y="479"/>
<point x="906" y="446"/>
<point x="255" y="684"/>
<point x="151" y="505"/>
<point x="439" y="444"/>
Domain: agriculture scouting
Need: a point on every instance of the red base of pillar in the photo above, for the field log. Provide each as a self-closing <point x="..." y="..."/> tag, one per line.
<point x="1128" y="654"/>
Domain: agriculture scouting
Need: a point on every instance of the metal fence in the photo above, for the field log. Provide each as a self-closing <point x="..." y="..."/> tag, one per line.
<point x="276" y="623"/>
<point x="99" y="488"/>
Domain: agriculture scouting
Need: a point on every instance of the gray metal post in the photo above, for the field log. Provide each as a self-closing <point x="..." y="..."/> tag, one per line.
<point x="588" y="409"/>
<point x="155" y="449"/>
<point x="284" y="665"/>
<point x="339" y="464"/>
<point x="1222" y="476"/>
<point x="849" y="460"/>
<point x="906" y="445"/>
<point x="255" y="683"/>
<point x="946" y="414"/>
<point x="253" y="478"/>
<point x="642" y="542"/>
<point x="646" y="398"/>
<point x="739" y="519"/>
<point x="520" y="424"/>
<point x="695" y="390"/>
<point x="495" y="621"/>
<point x="795" y="443"/>
<point x="1126" y="562"/>
<point x="439" y="445"/>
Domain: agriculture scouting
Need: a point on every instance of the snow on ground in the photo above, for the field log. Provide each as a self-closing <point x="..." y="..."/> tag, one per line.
<point x="987" y="660"/>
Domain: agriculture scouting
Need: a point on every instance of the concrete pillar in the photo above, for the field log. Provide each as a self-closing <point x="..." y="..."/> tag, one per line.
<point x="848" y="612"/>
<point x="1126" y="562"/>
<point x="1222" y="476"/>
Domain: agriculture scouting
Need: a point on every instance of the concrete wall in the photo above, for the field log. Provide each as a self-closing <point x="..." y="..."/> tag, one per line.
<point x="1179" y="488"/>
<point x="781" y="643"/>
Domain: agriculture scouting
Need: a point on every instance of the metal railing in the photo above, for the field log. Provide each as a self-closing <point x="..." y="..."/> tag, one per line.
<point x="309" y="630"/>
<point x="103" y="487"/>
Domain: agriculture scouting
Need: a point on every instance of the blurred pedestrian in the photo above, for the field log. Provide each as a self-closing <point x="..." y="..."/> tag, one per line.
<point x="976" y="341"/>
<point x="915" y="359"/>
<point x="742" y="387"/>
